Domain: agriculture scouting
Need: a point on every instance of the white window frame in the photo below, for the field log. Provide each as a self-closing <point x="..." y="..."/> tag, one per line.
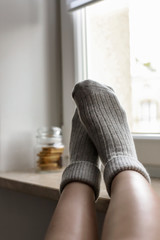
<point x="147" y="145"/>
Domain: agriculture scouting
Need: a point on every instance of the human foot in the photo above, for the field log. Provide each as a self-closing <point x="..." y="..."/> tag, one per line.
<point x="106" y="123"/>
<point x="83" y="165"/>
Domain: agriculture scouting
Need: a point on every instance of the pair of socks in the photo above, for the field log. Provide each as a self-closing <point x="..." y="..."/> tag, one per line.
<point x="99" y="128"/>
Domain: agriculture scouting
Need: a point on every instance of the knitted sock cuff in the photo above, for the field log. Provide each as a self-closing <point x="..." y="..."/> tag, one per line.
<point x="84" y="172"/>
<point x="119" y="164"/>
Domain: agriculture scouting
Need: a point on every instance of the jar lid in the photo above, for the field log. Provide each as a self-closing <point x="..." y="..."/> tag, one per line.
<point x="49" y="132"/>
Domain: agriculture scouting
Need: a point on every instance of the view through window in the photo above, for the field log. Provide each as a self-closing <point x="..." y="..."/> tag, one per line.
<point x="122" y="51"/>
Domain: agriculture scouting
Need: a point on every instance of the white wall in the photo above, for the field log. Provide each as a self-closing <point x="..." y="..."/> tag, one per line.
<point x="30" y="77"/>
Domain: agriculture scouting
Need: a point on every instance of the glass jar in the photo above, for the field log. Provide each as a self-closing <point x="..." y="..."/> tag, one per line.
<point x="49" y="149"/>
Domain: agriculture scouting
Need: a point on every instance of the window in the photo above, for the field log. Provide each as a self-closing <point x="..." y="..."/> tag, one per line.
<point x="75" y="4"/>
<point x="121" y="51"/>
<point x="77" y="66"/>
<point x="149" y="111"/>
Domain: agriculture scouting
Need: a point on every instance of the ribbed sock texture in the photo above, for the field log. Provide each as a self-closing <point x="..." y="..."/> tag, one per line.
<point x="83" y="165"/>
<point x="105" y="121"/>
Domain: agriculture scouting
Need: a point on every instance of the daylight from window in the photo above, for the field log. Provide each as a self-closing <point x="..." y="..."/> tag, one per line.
<point x="122" y="51"/>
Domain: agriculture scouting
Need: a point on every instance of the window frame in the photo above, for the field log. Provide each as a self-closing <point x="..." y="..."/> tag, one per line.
<point x="74" y="70"/>
<point x="76" y="4"/>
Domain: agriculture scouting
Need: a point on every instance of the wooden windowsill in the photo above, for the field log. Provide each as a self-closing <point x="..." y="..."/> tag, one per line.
<point x="47" y="185"/>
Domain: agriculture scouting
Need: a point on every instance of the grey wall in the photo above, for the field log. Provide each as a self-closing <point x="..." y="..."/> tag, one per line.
<point x="26" y="217"/>
<point x="30" y="77"/>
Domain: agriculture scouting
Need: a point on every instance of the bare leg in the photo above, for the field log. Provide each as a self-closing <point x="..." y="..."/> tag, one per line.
<point x="75" y="215"/>
<point x="134" y="210"/>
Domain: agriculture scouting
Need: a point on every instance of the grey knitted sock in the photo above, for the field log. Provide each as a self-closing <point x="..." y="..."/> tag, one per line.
<point x="83" y="165"/>
<point x="106" y="124"/>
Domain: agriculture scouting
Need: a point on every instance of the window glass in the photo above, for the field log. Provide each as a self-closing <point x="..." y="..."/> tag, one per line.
<point x="122" y="50"/>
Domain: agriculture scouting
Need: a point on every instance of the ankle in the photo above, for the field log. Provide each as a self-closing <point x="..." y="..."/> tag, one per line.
<point x="123" y="180"/>
<point x="81" y="190"/>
